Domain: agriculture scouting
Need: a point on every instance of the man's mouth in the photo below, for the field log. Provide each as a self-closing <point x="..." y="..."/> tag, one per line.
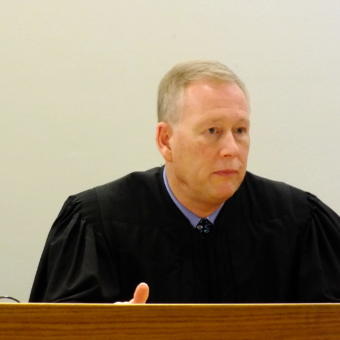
<point x="226" y="172"/>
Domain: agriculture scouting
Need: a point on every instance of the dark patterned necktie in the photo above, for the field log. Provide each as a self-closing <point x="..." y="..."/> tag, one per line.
<point x="203" y="226"/>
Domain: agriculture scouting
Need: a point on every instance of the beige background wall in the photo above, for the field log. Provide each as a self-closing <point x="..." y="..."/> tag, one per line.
<point x="78" y="83"/>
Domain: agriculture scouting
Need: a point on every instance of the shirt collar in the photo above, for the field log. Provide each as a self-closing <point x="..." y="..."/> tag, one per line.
<point x="193" y="218"/>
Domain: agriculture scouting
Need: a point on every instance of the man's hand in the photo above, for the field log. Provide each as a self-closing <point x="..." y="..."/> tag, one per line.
<point x="140" y="295"/>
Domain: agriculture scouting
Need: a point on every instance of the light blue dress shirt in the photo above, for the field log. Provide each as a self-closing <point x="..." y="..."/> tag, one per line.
<point x="193" y="218"/>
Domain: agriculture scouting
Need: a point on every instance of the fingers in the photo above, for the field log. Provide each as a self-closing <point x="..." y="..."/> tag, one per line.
<point x="141" y="293"/>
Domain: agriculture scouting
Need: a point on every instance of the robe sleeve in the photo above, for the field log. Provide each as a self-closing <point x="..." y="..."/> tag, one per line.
<point x="76" y="263"/>
<point x="319" y="255"/>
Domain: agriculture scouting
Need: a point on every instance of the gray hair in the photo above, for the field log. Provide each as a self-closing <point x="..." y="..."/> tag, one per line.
<point x="181" y="75"/>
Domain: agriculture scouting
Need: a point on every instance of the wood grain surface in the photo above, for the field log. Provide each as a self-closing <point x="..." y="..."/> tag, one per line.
<point x="206" y="321"/>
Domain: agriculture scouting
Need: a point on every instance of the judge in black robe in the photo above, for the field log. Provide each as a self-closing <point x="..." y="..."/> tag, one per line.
<point x="270" y="243"/>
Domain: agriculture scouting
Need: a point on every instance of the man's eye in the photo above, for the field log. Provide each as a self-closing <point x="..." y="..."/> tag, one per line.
<point x="241" y="130"/>
<point x="213" y="131"/>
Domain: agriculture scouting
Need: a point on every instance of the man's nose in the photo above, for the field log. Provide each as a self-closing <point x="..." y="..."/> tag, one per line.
<point x="229" y="146"/>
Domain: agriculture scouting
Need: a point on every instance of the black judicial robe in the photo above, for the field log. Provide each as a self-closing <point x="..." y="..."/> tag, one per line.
<point x="270" y="243"/>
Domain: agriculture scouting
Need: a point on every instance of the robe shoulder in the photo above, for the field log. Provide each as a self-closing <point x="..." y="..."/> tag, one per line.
<point x="276" y="198"/>
<point x="273" y="199"/>
<point x="124" y="198"/>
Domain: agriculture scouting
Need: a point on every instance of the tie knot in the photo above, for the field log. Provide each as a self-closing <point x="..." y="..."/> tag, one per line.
<point x="204" y="226"/>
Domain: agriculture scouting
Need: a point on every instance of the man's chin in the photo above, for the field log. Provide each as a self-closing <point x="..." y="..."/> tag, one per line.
<point x="227" y="193"/>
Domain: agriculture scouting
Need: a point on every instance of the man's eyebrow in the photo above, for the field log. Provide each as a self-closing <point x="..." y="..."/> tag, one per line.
<point x="244" y="120"/>
<point x="220" y="119"/>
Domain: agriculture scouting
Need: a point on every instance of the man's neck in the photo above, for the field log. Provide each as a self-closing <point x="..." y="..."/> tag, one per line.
<point x="199" y="208"/>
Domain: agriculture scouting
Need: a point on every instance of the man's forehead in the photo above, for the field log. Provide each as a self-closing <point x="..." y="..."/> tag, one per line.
<point x="204" y="89"/>
<point x="213" y="94"/>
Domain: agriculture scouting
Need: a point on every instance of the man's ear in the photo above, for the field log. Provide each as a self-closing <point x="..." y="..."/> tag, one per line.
<point x="163" y="134"/>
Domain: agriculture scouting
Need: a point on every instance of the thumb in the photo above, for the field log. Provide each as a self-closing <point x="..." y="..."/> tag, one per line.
<point x="141" y="293"/>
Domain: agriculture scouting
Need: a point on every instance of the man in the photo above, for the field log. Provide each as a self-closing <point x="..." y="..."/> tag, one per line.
<point x="201" y="228"/>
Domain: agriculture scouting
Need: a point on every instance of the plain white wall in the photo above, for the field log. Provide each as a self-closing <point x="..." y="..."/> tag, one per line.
<point x="78" y="82"/>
